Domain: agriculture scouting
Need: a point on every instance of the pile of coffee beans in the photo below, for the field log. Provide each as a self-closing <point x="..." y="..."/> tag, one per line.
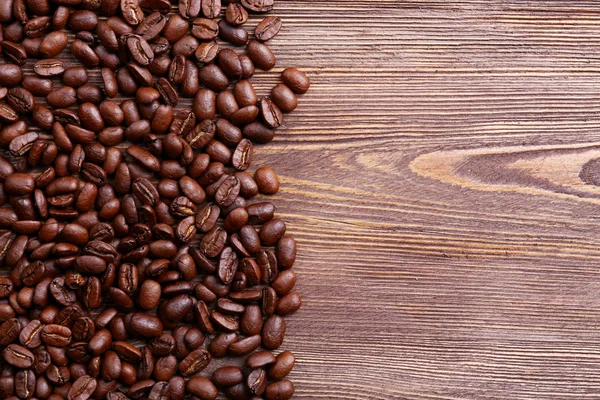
<point x="134" y="264"/>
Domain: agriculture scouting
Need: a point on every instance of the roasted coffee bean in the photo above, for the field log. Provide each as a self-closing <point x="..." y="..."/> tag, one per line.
<point x="258" y="6"/>
<point x="25" y="383"/>
<point x="261" y="55"/>
<point x="232" y="34"/>
<point x="195" y="362"/>
<point x="18" y="356"/>
<point x="213" y="77"/>
<point x="228" y="376"/>
<point x="202" y="388"/>
<point x="11" y="75"/>
<point x="236" y="14"/>
<point x="270" y="113"/>
<point x="267" y="180"/>
<point x="267" y="28"/>
<point x="282" y="390"/>
<point x="260" y="359"/>
<point x="284" y="97"/>
<point x="82" y="388"/>
<point x="15" y="53"/>
<point x="257" y="382"/>
<point x="296" y="80"/>
<point x="282" y="366"/>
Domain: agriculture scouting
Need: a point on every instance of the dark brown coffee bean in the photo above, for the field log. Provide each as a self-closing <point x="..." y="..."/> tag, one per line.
<point x="232" y="34"/>
<point x="258" y="6"/>
<point x="145" y="191"/>
<point x="242" y="156"/>
<point x="132" y="12"/>
<point x="228" y="376"/>
<point x="194" y="363"/>
<point x="244" y="346"/>
<point x="18" y="356"/>
<point x="213" y="77"/>
<point x="14" y="52"/>
<point x="167" y="93"/>
<point x="267" y="28"/>
<point x="257" y="382"/>
<point x="202" y="388"/>
<point x="226" y="104"/>
<point x="235" y="14"/>
<point x="267" y="180"/>
<point x="56" y="335"/>
<point x="269" y="301"/>
<point x="270" y="113"/>
<point x="201" y="135"/>
<point x="84" y="53"/>
<point x="143" y="325"/>
<point x="25" y="384"/>
<point x="207" y="52"/>
<point x="83" y="329"/>
<point x="189" y="8"/>
<point x="82" y="388"/>
<point x="296" y="80"/>
<point x="284" y="98"/>
<point x="261" y="55"/>
<point x="288" y="304"/>
<point x="260" y="359"/>
<point x="230" y="63"/>
<point x="245" y="115"/>
<point x="282" y="390"/>
<point x="219" y="345"/>
<point x="283" y="366"/>
<point x="11" y="75"/>
<point x="151" y="26"/>
<point x="204" y="105"/>
<point x="205" y="29"/>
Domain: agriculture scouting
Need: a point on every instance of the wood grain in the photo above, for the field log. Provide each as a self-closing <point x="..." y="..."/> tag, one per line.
<point x="441" y="178"/>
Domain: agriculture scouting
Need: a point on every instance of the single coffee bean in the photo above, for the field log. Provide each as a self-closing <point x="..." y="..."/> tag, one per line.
<point x="296" y="80"/>
<point x="267" y="180"/>
<point x="283" y="366"/>
<point x="189" y="8"/>
<point x="228" y="376"/>
<point x="284" y="98"/>
<point x="261" y="55"/>
<point x="267" y="28"/>
<point x="244" y="346"/>
<point x="18" y="356"/>
<point x="273" y="332"/>
<point x="257" y="382"/>
<point x="194" y="363"/>
<point x="207" y="52"/>
<point x="202" y="388"/>
<point x="258" y="6"/>
<point x="232" y="34"/>
<point x="282" y="390"/>
<point x="82" y="388"/>
<point x="236" y="14"/>
<point x="260" y="359"/>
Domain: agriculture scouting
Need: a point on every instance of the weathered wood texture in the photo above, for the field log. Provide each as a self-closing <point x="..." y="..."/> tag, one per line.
<point x="449" y="248"/>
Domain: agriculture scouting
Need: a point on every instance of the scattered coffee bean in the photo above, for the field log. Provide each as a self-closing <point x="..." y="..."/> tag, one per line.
<point x="129" y="221"/>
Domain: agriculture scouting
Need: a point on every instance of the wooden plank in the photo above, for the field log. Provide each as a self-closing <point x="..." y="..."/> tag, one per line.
<point x="448" y="246"/>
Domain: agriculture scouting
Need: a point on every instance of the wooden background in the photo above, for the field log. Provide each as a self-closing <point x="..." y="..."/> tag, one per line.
<point x="439" y="177"/>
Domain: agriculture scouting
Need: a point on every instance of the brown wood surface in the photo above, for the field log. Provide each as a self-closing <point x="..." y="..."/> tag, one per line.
<point x="439" y="177"/>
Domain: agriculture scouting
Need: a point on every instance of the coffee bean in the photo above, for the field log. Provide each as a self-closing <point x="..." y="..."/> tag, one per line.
<point x="282" y="390"/>
<point x="194" y="363"/>
<point x="267" y="28"/>
<point x="257" y="382"/>
<point x="284" y="98"/>
<point x="204" y="28"/>
<point x="258" y="6"/>
<point x="236" y="14"/>
<point x="260" y="359"/>
<point x="25" y="383"/>
<point x="18" y="356"/>
<point x="261" y="55"/>
<point x="232" y="34"/>
<point x="82" y="388"/>
<point x="202" y="388"/>
<point x="228" y="376"/>
<point x="267" y="180"/>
